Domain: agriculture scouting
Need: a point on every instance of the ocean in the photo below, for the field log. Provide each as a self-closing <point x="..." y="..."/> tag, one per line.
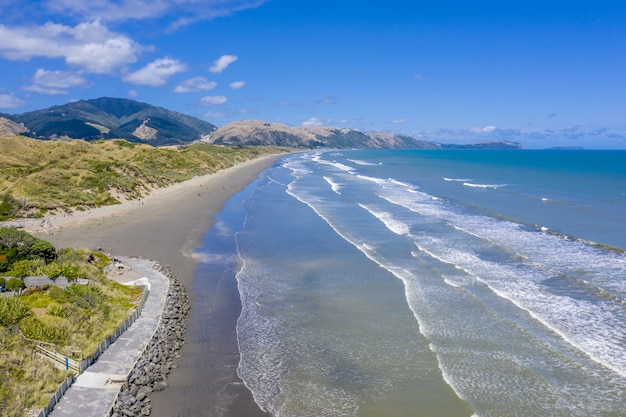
<point x="433" y="283"/>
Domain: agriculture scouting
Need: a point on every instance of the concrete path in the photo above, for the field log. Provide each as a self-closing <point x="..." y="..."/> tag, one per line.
<point x="94" y="392"/>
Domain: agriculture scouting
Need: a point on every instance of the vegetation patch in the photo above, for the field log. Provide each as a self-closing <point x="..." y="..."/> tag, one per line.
<point x="73" y="320"/>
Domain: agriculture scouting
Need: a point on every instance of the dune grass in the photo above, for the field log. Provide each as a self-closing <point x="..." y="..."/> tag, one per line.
<point x="41" y="176"/>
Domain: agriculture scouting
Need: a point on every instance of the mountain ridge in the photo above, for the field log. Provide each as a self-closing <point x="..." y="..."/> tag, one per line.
<point x="113" y="118"/>
<point x="259" y="132"/>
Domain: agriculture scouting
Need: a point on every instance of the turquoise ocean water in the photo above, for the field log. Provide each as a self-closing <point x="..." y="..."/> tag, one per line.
<point x="434" y="283"/>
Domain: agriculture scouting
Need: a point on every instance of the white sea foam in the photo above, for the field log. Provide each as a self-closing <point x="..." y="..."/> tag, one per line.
<point x="492" y="186"/>
<point x="337" y="165"/>
<point x="335" y="187"/>
<point x="371" y="179"/>
<point x="406" y="185"/>
<point x="396" y="226"/>
<point x="595" y="329"/>
<point x="457" y="179"/>
<point x="364" y="163"/>
<point x="541" y="252"/>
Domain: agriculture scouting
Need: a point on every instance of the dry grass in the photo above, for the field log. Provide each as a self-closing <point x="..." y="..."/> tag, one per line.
<point x="26" y="380"/>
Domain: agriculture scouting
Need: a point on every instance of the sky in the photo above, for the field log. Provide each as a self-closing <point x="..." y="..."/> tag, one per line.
<point x="543" y="73"/>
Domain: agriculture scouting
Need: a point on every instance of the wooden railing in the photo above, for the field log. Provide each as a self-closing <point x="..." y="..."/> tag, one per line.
<point x="79" y="367"/>
<point x="59" y="360"/>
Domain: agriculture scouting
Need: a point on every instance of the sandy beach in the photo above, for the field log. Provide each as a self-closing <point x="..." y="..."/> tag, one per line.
<point x="166" y="226"/>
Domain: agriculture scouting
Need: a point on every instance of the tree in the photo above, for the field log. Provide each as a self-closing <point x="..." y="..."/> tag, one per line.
<point x="43" y="249"/>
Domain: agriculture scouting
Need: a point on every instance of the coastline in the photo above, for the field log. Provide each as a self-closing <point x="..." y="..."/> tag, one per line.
<point x="166" y="226"/>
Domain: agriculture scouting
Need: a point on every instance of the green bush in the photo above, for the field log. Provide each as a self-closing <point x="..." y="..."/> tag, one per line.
<point x="69" y="270"/>
<point x="57" y="294"/>
<point x="11" y="237"/>
<point x="15" y="284"/>
<point x="34" y="328"/>
<point x="12" y="310"/>
<point x="26" y="267"/>
<point x="44" y="250"/>
<point x="59" y="311"/>
<point x="8" y="206"/>
<point x="19" y="247"/>
<point x="85" y="296"/>
<point x="3" y="281"/>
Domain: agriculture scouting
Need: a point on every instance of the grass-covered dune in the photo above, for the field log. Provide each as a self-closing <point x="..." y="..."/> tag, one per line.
<point x="37" y="177"/>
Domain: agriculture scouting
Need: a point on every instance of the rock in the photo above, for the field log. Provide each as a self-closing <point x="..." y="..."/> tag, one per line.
<point x="161" y="352"/>
<point x="160" y="385"/>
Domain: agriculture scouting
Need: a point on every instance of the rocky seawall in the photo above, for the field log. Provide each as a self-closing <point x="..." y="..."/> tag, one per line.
<point x="152" y="369"/>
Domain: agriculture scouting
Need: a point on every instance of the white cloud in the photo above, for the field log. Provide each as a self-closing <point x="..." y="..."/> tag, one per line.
<point x="109" y="10"/>
<point x="213" y="100"/>
<point x="55" y="82"/>
<point x="486" y="129"/>
<point x="328" y="100"/>
<point x="90" y="46"/>
<point x="9" y="101"/>
<point x="313" y="121"/>
<point x="399" y="121"/>
<point x="133" y="93"/>
<point x="222" y="62"/>
<point x="237" y="85"/>
<point x="186" y="11"/>
<point x="195" y="84"/>
<point x="215" y="115"/>
<point x="155" y="73"/>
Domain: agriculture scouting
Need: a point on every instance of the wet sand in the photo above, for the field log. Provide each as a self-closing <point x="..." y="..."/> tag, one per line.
<point x="166" y="226"/>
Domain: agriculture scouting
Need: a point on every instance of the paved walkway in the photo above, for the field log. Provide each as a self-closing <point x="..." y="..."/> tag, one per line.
<point x="94" y="391"/>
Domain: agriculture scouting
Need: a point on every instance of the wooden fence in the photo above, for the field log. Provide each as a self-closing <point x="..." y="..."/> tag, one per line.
<point x="80" y="367"/>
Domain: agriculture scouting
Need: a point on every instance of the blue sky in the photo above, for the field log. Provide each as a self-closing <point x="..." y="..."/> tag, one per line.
<point x="549" y="73"/>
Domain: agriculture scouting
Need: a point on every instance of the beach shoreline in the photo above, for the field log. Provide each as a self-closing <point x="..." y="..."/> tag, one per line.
<point x="167" y="226"/>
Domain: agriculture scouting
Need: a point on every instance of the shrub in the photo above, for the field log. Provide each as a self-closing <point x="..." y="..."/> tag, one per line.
<point x="15" y="284"/>
<point x="85" y="296"/>
<point x="12" y="310"/>
<point x="43" y="249"/>
<point x="34" y="328"/>
<point x="3" y="281"/>
<point x="8" y="206"/>
<point x="66" y="269"/>
<point x="26" y="267"/>
<point x="59" y="311"/>
<point x="57" y="294"/>
<point x="11" y="237"/>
